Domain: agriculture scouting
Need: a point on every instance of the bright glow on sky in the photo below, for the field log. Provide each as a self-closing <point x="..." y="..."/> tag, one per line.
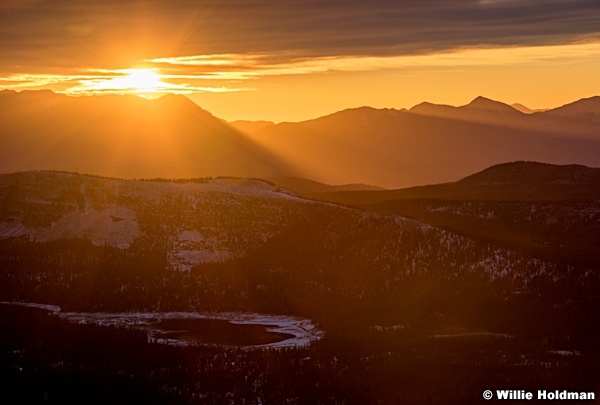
<point x="398" y="81"/>
<point x="290" y="61"/>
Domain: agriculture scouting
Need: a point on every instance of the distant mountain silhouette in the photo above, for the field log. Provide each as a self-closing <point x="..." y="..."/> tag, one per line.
<point x="482" y="103"/>
<point x="481" y="109"/>
<point x="587" y="109"/>
<point x="250" y="127"/>
<point x="522" y="108"/>
<point x="430" y="143"/>
<point x="124" y="136"/>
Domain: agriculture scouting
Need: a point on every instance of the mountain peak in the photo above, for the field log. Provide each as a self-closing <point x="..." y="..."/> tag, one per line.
<point x="427" y="108"/>
<point x="178" y="100"/>
<point x="482" y="103"/>
<point x="522" y="108"/>
<point x="481" y="99"/>
<point x="360" y="113"/>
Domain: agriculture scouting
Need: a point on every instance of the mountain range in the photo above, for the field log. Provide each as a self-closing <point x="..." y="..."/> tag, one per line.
<point x="434" y="143"/>
<point x="126" y="136"/>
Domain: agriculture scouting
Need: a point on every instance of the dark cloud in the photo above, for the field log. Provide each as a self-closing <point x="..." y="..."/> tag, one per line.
<point x="111" y="34"/>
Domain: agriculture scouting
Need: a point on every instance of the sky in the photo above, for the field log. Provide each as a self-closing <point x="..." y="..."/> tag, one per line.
<point x="292" y="60"/>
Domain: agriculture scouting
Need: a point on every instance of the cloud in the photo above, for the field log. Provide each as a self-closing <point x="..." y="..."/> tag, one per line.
<point x="220" y="40"/>
<point x="242" y="67"/>
<point x="109" y="82"/>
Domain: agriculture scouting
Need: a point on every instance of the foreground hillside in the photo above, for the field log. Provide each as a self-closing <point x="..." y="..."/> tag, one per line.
<point x="548" y="211"/>
<point x="398" y="300"/>
<point x="234" y="244"/>
<point x="191" y="222"/>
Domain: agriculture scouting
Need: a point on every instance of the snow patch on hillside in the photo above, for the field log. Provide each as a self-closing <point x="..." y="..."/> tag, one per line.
<point x="116" y="226"/>
<point x="191" y="248"/>
<point x="243" y="187"/>
<point x="184" y="260"/>
<point x="13" y="230"/>
<point x="191" y="236"/>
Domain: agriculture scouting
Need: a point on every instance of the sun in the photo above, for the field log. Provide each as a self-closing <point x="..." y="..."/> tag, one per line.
<point x="142" y="80"/>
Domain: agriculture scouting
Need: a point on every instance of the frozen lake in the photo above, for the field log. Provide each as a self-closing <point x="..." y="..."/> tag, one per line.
<point x="193" y="328"/>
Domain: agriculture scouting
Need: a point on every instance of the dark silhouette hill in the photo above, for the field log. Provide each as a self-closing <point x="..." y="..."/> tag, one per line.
<point x="548" y="210"/>
<point x="535" y="176"/>
<point x="532" y="181"/>
<point x="124" y="136"/>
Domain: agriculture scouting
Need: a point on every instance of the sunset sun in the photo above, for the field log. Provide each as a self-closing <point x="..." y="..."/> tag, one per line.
<point x="142" y="80"/>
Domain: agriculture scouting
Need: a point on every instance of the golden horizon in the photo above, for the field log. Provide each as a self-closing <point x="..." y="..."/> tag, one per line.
<point x="249" y="69"/>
